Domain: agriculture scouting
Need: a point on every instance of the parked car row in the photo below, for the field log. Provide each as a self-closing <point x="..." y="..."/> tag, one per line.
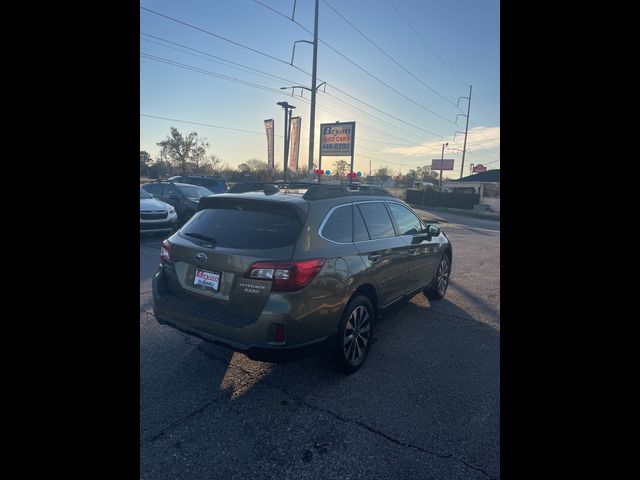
<point x="169" y="204"/>
<point x="213" y="183"/>
<point x="155" y="215"/>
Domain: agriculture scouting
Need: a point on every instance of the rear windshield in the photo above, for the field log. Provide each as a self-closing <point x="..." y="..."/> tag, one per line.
<point x="246" y="228"/>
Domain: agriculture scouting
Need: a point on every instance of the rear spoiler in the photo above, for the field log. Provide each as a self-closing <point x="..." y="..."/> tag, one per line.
<point x="230" y="202"/>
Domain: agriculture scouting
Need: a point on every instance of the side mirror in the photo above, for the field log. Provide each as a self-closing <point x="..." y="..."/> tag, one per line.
<point x="433" y="230"/>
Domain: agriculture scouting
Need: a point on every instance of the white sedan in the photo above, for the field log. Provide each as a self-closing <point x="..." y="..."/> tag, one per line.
<point x="155" y="215"/>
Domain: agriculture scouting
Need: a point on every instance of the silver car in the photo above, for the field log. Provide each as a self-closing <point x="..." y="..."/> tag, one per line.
<point x="155" y="215"/>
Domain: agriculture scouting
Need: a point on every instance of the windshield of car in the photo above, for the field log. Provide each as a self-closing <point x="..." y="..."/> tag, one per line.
<point x="144" y="194"/>
<point x="194" y="192"/>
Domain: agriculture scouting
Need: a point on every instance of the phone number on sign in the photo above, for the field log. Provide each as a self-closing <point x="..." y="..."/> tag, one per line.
<point x="339" y="146"/>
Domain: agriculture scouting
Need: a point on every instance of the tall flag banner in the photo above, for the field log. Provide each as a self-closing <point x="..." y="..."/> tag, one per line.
<point x="268" y="126"/>
<point x="294" y="150"/>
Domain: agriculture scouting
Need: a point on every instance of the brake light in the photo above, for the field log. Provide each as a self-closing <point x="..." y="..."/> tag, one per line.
<point x="165" y="252"/>
<point x="279" y="336"/>
<point x="286" y="276"/>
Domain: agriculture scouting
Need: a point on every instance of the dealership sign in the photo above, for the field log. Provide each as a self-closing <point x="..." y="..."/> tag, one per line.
<point x="479" y="168"/>
<point x="336" y="139"/>
<point x="442" y="164"/>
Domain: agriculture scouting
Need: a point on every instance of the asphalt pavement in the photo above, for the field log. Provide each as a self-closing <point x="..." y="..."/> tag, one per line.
<point x="425" y="405"/>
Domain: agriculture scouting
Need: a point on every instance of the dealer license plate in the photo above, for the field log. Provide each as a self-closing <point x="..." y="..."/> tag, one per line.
<point x="207" y="279"/>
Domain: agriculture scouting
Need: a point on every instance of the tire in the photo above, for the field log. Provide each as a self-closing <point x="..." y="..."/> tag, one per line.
<point x="358" y="318"/>
<point x="440" y="282"/>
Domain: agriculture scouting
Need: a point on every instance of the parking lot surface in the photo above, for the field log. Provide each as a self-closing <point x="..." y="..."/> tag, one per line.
<point x="426" y="404"/>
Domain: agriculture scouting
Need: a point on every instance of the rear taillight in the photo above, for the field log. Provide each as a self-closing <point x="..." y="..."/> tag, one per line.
<point x="165" y="252"/>
<point x="279" y="336"/>
<point x="286" y="276"/>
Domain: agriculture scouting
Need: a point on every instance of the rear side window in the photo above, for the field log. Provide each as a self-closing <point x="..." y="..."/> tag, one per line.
<point x="245" y="228"/>
<point x="377" y="220"/>
<point x="407" y="222"/>
<point x="339" y="225"/>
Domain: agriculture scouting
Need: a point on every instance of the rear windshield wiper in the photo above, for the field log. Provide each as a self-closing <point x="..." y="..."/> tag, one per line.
<point x="209" y="239"/>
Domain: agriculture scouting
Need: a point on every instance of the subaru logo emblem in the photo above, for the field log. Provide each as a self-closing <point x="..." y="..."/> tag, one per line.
<point x="201" y="257"/>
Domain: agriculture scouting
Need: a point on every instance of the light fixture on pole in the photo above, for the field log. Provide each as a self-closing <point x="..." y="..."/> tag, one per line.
<point x="287" y="132"/>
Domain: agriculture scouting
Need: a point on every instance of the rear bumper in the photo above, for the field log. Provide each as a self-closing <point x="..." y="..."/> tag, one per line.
<point x="216" y="324"/>
<point x="263" y="353"/>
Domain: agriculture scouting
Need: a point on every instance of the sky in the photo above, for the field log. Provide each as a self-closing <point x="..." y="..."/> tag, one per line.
<point x="396" y="67"/>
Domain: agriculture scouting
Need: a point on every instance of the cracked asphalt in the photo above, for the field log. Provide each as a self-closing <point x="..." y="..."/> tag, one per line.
<point x="425" y="405"/>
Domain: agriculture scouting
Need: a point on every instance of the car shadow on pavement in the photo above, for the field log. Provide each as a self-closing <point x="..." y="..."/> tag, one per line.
<point x="430" y="384"/>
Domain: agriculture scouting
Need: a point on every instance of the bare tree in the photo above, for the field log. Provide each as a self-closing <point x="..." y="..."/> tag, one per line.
<point x="341" y="167"/>
<point x="182" y="151"/>
<point x="383" y="174"/>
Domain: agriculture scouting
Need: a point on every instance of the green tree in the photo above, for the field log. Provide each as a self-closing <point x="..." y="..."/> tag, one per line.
<point x="182" y="151"/>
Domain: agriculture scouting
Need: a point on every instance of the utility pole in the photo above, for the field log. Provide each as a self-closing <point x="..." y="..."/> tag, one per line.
<point x="442" y="159"/>
<point x="313" y="88"/>
<point x="287" y="134"/>
<point x="466" y="131"/>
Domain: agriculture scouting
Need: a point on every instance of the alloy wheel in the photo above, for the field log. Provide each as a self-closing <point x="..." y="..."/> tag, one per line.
<point x="356" y="334"/>
<point x="442" y="276"/>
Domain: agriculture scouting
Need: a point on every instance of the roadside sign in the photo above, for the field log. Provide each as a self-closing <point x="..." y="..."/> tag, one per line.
<point x="442" y="164"/>
<point x="479" y="168"/>
<point x="336" y="139"/>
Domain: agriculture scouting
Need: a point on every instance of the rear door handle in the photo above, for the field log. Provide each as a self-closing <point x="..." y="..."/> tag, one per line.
<point x="374" y="257"/>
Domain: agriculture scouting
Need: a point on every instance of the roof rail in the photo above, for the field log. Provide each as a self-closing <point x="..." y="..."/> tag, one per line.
<point x="268" y="187"/>
<point x="315" y="191"/>
<point x="320" y="191"/>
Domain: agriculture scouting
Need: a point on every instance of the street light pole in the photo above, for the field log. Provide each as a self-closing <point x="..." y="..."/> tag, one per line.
<point x="287" y="133"/>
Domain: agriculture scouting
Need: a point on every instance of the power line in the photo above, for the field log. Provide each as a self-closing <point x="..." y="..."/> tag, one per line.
<point x="287" y="63"/>
<point x="204" y="124"/>
<point x="243" y="67"/>
<point x="207" y="72"/>
<point x="387" y="143"/>
<point x="384" y="121"/>
<point x="256" y="133"/>
<point x="379" y="110"/>
<point x="236" y="80"/>
<point x="254" y="85"/>
<point x="238" y="65"/>
<point x="439" y="57"/>
<point x="426" y="43"/>
<point x="359" y="67"/>
<point x="389" y="56"/>
<point x="386" y="84"/>
<point x="214" y="35"/>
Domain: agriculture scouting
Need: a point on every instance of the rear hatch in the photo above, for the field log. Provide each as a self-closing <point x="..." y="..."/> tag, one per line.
<point x="212" y="253"/>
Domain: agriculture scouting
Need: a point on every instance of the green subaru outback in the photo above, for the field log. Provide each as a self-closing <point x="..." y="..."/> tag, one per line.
<point x="279" y="274"/>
